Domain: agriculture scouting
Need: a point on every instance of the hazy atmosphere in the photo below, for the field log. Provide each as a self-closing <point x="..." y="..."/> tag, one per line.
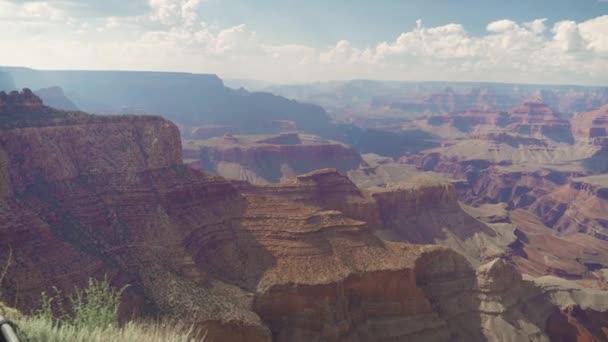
<point x="304" y="171"/>
<point x="296" y="41"/>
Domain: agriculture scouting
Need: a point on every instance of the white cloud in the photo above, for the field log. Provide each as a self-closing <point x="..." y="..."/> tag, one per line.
<point x="501" y="26"/>
<point x="536" y="26"/>
<point x="33" y="13"/>
<point x="171" y="36"/>
<point x="171" y="12"/>
<point x="567" y="36"/>
<point x="595" y="32"/>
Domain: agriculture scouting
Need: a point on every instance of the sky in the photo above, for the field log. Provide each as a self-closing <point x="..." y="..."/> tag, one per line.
<point x="291" y="41"/>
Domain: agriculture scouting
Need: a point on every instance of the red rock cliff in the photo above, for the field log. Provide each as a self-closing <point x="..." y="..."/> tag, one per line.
<point x="295" y="262"/>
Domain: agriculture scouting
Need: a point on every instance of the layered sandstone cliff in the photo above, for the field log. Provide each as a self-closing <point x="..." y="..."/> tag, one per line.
<point x="592" y="126"/>
<point x="579" y="206"/>
<point x="268" y="159"/>
<point x="85" y="196"/>
<point x="427" y="212"/>
<point x="531" y="122"/>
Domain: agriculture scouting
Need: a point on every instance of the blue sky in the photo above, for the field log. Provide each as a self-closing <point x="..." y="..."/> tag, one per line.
<point x="365" y="22"/>
<point x="533" y="41"/>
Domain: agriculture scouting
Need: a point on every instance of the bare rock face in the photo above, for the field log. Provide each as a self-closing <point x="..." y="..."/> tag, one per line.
<point x="109" y="195"/>
<point x="592" y="128"/>
<point x="430" y="214"/>
<point x="579" y="206"/>
<point x="59" y="153"/>
<point x="299" y="261"/>
<point x="268" y="159"/>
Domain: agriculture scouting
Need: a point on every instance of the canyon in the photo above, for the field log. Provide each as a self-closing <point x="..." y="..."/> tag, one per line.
<point x="545" y="177"/>
<point x="372" y="103"/>
<point x="391" y="253"/>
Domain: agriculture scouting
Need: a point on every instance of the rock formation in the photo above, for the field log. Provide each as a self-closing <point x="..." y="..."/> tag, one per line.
<point x="579" y="206"/>
<point x="187" y="99"/>
<point x="268" y="159"/>
<point x="379" y="100"/>
<point x="538" y="120"/>
<point x="427" y="212"/>
<point x="19" y="102"/>
<point x="518" y="126"/>
<point x="55" y="97"/>
<point x="304" y="260"/>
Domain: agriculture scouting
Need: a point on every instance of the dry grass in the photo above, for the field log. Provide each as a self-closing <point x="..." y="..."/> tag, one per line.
<point x="92" y="316"/>
<point x="38" y="329"/>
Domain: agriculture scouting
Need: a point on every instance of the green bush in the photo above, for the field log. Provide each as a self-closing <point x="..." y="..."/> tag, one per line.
<point x="95" y="306"/>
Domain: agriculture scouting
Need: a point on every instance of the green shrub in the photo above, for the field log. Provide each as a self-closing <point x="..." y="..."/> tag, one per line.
<point x="95" y="306"/>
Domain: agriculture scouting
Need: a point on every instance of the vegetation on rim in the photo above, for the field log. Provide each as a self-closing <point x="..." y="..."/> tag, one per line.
<point x="90" y="314"/>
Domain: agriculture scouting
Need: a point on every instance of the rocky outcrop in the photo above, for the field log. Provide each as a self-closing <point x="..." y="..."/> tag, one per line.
<point x="268" y="159"/>
<point x="429" y="213"/>
<point x="19" y="102"/>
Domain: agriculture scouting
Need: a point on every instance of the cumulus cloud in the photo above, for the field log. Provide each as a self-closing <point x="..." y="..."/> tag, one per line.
<point x="170" y="35"/>
<point x="595" y="32"/>
<point x="536" y="26"/>
<point x="568" y="37"/>
<point x="501" y="26"/>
